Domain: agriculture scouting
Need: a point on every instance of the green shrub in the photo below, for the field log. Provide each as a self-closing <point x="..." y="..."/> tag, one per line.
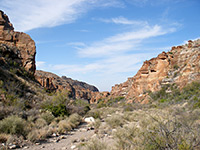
<point x="58" y="110"/>
<point x="101" y="103"/>
<point x="163" y="100"/>
<point x="48" y="117"/>
<point x="13" y="125"/>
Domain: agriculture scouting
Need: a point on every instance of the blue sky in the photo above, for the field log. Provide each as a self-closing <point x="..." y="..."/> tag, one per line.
<point x="102" y="42"/>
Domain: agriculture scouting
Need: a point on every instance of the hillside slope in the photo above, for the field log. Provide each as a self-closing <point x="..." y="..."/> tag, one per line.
<point x="181" y="65"/>
<point x="76" y="89"/>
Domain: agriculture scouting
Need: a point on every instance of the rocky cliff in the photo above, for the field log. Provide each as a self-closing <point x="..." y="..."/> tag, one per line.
<point x="77" y="89"/>
<point x="20" y="41"/>
<point x="181" y="65"/>
<point x="17" y="51"/>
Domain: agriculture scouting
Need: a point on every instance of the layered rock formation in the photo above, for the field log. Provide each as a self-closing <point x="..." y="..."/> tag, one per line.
<point x="77" y="89"/>
<point x="19" y="40"/>
<point x="181" y="65"/>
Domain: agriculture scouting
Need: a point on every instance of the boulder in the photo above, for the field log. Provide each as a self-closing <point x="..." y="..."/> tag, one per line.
<point x="89" y="120"/>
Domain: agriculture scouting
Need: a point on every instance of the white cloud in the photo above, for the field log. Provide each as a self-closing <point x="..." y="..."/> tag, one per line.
<point x="31" y="14"/>
<point x="70" y="69"/>
<point x="123" y="20"/>
<point x="111" y="65"/>
<point x="122" y="42"/>
<point x="144" y="33"/>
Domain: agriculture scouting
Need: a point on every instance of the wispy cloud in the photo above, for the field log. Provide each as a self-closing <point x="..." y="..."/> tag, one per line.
<point x="122" y="42"/>
<point x="122" y="20"/>
<point x="111" y="65"/>
<point x="27" y="15"/>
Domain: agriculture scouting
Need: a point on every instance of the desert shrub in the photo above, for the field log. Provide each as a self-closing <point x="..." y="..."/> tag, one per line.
<point x="126" y="138"/>
<point x="57" y="110"/>
<point x="6" y="111"/>
<point x="115" y="121"/>
<point x="81" y="110"/>
<point x="111" y="102"/>
<point x="161" y="94"/>
<point x="95" y="113"/>
<point x="69" y="123"/>
<point x="57" y="105"/>
<point x="39" y="134"/>
<point x="80" y="102"/>
<point x="97" y="124"/>
<point x="95" y="144"/>
<point x="64" y="126"/>
<point x="75" y="120"/>
<point x="163" y="100"/>
<point x="128" y="107"/>
<point x="48" y="117"/>
<point x="61" y="97"/>
<point x="101" y="103"/>
<point x="40" y="123"/>
<point x="190" y="93"/>
<point x="13" y="125"/>
<point x="80" y="106"/>
<point x="172" y="134"/>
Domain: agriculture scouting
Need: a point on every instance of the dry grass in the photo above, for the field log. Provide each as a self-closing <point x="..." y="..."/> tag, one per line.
<point x="40" y="134"/>
<point x="95" y="144"/>
<point x="40" y="123"/>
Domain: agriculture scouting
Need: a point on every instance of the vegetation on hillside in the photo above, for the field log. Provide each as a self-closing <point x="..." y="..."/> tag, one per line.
<point x="169" y="121"/>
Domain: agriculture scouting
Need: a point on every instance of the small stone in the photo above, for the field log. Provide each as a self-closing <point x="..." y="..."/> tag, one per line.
<point x="25" y="147"/>
<point x="37" y="143"/>
<point x="73" y="146"/>
<point x="13" y="146"/>
<point x="54" y="135"/>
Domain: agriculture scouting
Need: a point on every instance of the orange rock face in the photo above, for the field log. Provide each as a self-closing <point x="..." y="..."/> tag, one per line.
<point x="22" y="41"/>
<point x="181" y="66"/>
<point x="77" y="89"/>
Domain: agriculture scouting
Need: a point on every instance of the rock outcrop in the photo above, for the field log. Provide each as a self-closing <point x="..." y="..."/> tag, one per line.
<point x="19" y="40"/>
<point x="77" y="89"/>
<point x="181" y="65"/>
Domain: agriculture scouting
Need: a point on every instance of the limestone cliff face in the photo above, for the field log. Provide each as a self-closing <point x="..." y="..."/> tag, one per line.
<point x="181" y="65"/>
<point x="77" y="89"/>
<point x="21" y="41"/>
